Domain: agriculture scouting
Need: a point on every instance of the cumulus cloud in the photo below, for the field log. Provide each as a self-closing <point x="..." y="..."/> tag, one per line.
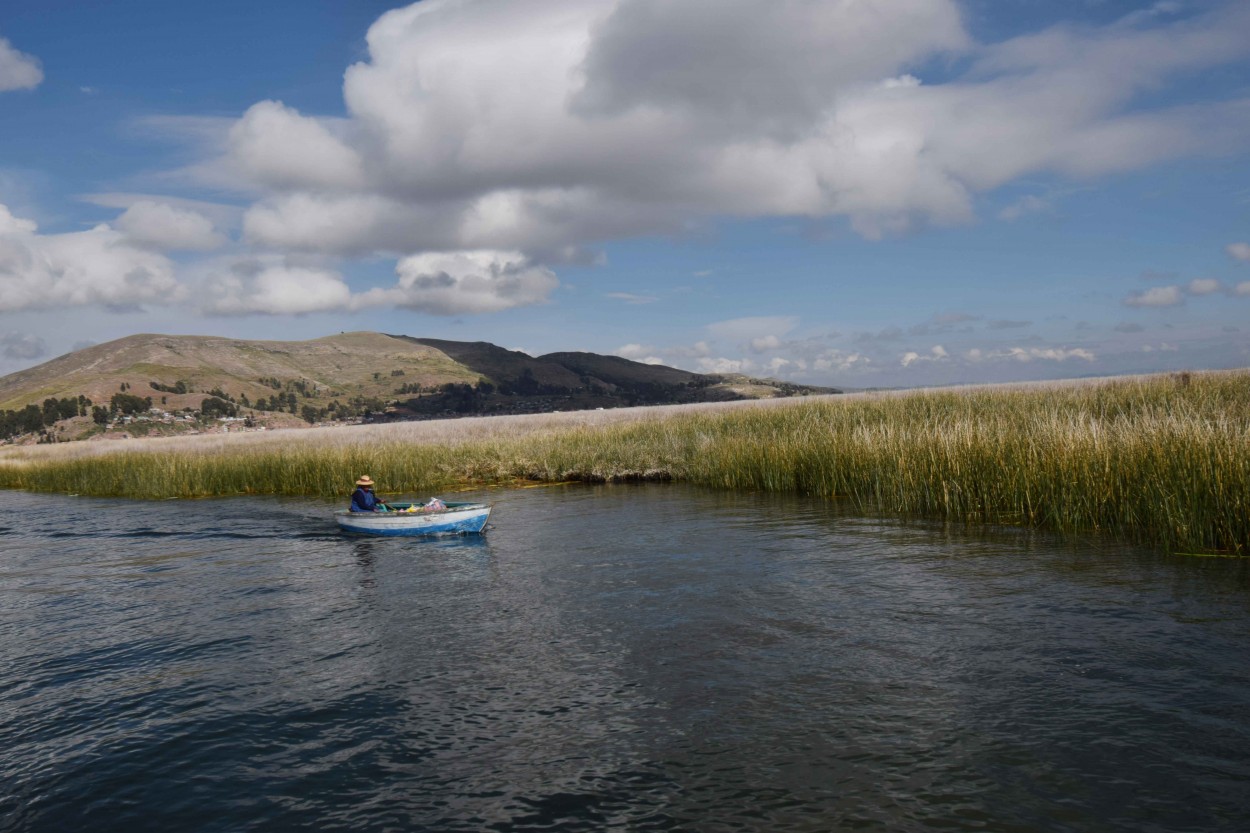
<point x="18" y="71"/>
<point x="221" y="215"/>
<point x="167" y="227"/>
<point x="764" y="344"/>
<point x="556" y="124"/>
<point x="839" y="360"/>
<point x="1204" y="286"/>
<point x="936" y="353"/>
<point x="276" y="146"/>
<point x="639" y="353"/>
<point x="1051" y="354"/>
<point x="722" y="364"/>
<point x="451" y="283"/>
<point x="1242" y="288"/>
<point x="1239" y="251"/>
<point x="271" y="287"/>
<point x="100" y="266"/>
<point x="1029" y="354"/>
<point x="23" y="346"/>
<point x="759" y="69"/>
<point x="1158" y="296"/>
<point x="436" y="283"/>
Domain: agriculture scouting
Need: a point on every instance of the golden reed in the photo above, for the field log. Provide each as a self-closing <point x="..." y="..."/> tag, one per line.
<point x="1163" y="460"/>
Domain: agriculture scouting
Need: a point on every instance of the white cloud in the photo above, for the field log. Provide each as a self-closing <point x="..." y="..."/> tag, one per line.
<point x="23" y="346"/>
<point x="1239" y="251"/>
<point x="839" y="360"/>
<point x="764" y="344"/>
<point x="18" y="71"/>
<point x="674" y="355"/>
<point x="976" y="355"/>
<point x="274" y="145"/>
<point x="271" y="287"/>
<point x="344" y="224"/>
<point x="556" y="124"/>
<point x="167" y="227"/>
<point x="451" y="283"/>
<point x="1052" y="354"/>
<point x="936" y="353"/>
<point x="1242" y="288"/>
<point x="221" y="215"/>
<point x="99" y="266"/>
<point x="1159" y="9"/>
<point x="639" y="353"/>
<point x="760" y="69"/>
<point x="1203" y="286"/>
<point x="435" y="283"/>
<point x="723" y="365"/>
<point x="1158" y="296"/>
<point x="633" y="351"/>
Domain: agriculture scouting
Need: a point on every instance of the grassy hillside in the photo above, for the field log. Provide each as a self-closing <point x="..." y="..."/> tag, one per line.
<point x="289" y="383"/>
<point x="344" y="366"/>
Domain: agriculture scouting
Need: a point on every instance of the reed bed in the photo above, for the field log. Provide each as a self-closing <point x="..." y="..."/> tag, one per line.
<point x="1161" y="460"/>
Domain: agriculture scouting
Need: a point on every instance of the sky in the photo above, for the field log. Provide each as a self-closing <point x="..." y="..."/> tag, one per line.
<point x="855" y="193"/>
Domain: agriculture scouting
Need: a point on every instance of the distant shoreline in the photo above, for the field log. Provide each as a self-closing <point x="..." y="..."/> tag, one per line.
<point x="1157" y="459"/>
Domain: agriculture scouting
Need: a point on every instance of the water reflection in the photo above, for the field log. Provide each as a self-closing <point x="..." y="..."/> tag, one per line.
<point x="610" y="657"/>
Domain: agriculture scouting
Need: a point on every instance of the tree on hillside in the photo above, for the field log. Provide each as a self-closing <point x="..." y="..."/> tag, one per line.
<point x="127" y="403"/>
<point x="215" y="406"/>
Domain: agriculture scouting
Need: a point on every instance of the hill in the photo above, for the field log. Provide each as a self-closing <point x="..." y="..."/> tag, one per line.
<point x="104" y="389"/>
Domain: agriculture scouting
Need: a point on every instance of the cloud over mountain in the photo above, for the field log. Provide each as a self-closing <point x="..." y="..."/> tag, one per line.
<point x="98" y="266"/>
<point x="166" y="227"/>
<point x="553" y="125"/>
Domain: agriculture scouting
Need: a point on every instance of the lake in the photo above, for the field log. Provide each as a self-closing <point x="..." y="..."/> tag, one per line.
<point x="610" y="658"/>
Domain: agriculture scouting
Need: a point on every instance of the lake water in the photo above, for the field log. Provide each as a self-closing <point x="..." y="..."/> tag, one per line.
<point x="612" y="658"/>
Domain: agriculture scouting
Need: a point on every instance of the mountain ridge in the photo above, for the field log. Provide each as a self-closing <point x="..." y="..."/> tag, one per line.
<point x="352" y="376"/>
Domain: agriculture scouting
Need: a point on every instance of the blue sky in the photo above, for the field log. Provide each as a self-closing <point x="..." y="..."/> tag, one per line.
<point x="901" y="192"/>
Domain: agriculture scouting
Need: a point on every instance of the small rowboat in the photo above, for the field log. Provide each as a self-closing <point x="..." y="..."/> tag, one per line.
<point x="456" y="517"/>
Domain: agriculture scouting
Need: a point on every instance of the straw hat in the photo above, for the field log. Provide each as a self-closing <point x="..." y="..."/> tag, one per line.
<point x="365" y="480"/>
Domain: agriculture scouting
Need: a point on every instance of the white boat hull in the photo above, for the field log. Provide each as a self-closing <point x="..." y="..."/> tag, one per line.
<point x="456" y="518"/>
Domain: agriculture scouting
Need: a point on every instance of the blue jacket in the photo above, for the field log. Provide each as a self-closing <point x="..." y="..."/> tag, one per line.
<point x="364" y="500"/>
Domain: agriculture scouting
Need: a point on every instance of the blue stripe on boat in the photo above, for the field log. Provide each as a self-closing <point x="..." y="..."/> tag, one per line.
<point x="457" y="518"/>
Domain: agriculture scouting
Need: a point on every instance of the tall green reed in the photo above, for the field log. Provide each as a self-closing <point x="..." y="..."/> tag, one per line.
<point x="1163" y="460"/>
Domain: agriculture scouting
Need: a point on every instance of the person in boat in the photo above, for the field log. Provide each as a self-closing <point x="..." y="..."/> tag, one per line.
<point x="363" y="499"/>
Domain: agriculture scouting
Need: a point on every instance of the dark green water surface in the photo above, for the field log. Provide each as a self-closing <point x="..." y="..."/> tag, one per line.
<point x="614" y="658"/>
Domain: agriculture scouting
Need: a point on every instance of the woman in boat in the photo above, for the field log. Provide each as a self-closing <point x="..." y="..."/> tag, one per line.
<point x="363" y="499"/>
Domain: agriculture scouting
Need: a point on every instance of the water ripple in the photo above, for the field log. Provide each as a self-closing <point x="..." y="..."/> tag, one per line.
<point x="647" y="658"/>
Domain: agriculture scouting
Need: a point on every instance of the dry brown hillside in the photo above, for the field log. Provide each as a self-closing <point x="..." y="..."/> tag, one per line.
<point x="343" y="366"/>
